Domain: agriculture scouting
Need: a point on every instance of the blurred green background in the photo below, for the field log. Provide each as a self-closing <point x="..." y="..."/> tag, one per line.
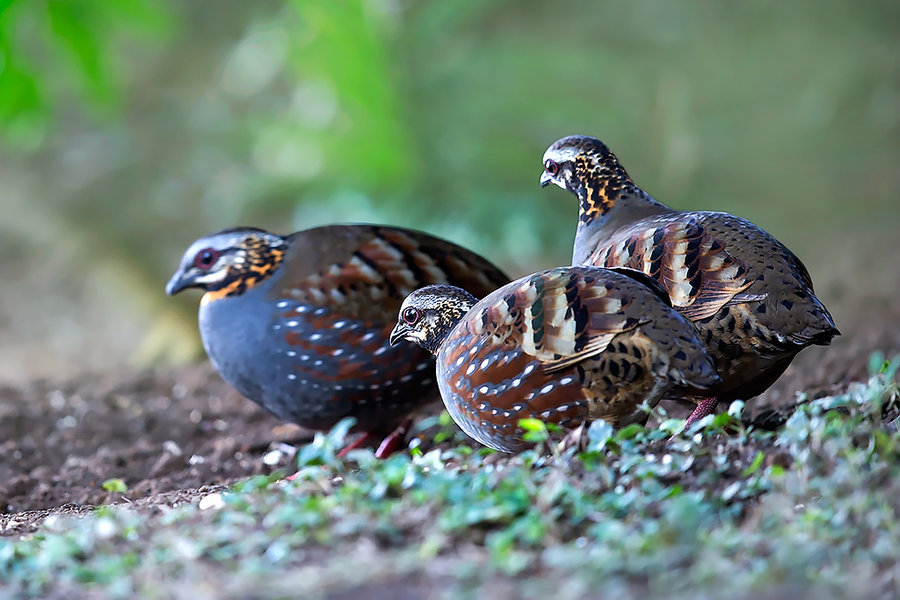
<point x="130" y="127"/>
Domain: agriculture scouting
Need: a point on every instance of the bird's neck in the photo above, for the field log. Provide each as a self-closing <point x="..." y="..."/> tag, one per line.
<point x="448" y="318"/>
<point x="605" y="204"/>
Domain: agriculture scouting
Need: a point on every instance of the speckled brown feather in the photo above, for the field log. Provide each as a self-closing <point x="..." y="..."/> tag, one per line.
<point x="564" y="346"/>
<point x="371" y="269"/>
<point x="750" y="297"/>
<point x="699" y="274"/>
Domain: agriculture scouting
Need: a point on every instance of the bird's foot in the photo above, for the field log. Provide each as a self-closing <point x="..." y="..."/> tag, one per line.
<point x="707" y="406"/>
<point x="394" y="440"/>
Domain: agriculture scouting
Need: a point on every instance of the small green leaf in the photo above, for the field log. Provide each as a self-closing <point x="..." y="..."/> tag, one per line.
<point x="599" y="434"/>
<point x="535" y="436"/>
<point x="532" y="425"/>
<point x="628" y="432"/>
<point x="553" y="428"/>
<point x="754" y="466"/>
<point x="115" y="485"/>
<point x="535" y="430"/>
<point x="877" y="362"/>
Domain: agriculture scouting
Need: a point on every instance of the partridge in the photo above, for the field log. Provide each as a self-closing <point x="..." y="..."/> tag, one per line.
<point x="300" y="323"/>
<point x="564" y="346"/>
<point x="750" y="298"/>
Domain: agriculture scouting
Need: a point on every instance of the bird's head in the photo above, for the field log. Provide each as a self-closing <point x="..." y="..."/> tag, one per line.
<point x="586" y="167"/>
<point x="428" y="314"/>
<point x="229" y="262"/>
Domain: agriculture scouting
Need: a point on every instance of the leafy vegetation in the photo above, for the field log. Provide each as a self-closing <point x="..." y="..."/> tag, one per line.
<point x="719" y="511"/>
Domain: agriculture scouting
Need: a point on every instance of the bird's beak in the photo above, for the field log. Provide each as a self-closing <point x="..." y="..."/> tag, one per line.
<point x="178" y="283"/>
<point x="398" y="333"/>
<point x="546" y="179"/>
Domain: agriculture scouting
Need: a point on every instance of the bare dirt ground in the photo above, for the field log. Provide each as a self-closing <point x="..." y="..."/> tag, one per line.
<point x="170" y="436"/>
<point x="175" y="436"/>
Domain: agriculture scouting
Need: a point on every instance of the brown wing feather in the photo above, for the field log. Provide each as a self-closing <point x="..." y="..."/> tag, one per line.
<point x="371" y="269"/>
<point x="695" y="268"/>
<point x="559" y="318"/>
<point x="562" y="346"/>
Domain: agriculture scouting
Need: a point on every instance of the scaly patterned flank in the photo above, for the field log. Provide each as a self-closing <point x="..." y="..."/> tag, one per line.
<point x="564" y="346"/>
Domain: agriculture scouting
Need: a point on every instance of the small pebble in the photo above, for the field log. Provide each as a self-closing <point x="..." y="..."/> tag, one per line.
<point x="213" y="501"/>
<point x="67" y="422"/>
<point x="57" y="400"/>
<point x="272" y="457"/>
<point x="171" y="447"/>
<point x="105" y="528"/>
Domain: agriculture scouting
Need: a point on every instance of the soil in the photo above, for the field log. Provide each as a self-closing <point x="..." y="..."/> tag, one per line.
<point x="175" y="436"/>
<point x="171" y="437"/>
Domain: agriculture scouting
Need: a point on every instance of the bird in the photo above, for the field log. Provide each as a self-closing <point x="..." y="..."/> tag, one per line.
<point x="750" y="298"/>
<point x="565" y="346"/>
<point x="300" y="324"/>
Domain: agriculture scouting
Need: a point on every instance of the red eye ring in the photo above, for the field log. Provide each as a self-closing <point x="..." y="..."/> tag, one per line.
<point x="206" y="258"/>
<point x="411" y="315"/>
<point x="551" y="166"/>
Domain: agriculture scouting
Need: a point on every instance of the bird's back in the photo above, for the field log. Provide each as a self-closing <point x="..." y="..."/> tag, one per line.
<point x="750" y="297"/>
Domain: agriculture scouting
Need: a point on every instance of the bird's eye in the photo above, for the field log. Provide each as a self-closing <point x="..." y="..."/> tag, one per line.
<point x="411" y="315"/>
<point x="206" y="258"/>
<point x="551" y="166"/>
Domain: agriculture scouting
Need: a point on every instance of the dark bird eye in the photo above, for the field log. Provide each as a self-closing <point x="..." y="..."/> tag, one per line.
<point x="411" y="315"/>
<point x="206" y="258"/>
<point x="551" y="166"/>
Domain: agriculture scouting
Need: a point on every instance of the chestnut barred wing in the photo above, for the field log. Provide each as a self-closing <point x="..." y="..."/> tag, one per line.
<point x="538" y="348"/>
<point x="694" y="267"/>
<point x="366" y="271"/>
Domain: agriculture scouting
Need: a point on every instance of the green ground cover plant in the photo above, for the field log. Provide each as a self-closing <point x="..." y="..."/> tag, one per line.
<point x="810" y="509"/>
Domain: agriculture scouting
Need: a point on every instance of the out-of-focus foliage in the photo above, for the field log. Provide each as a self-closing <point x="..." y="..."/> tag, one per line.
<point x="131" y="127"/>
<point x="56" y="50"/>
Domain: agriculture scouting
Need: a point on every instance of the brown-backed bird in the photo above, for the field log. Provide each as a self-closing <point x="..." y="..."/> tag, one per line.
<point x="564" y="346"/>
<point x="750" y="298"/>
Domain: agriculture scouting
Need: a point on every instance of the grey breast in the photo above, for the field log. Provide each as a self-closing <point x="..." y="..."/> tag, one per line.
<point x="238" y="336"/>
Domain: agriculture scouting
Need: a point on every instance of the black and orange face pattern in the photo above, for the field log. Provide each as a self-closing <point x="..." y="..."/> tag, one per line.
<point x="229" y="262"/>
<point x="253" y="260"/>
<point x="586" y="167"/>
<point x="604" y="182"/>
<point x="428" y="314"/>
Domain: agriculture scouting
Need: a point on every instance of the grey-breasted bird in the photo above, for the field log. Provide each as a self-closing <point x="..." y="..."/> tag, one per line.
<point x="300" y="323"/>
